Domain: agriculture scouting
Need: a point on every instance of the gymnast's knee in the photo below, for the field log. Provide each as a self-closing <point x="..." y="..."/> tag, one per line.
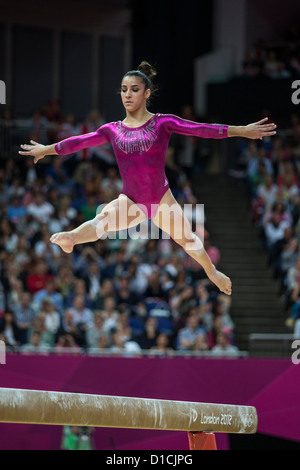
<point x="190" y="243"/>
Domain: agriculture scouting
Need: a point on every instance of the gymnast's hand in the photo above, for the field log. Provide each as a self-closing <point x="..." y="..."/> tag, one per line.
<point x="260" y="129"/>
<point x="256" y="130"/>
<point x="38" y="151"/>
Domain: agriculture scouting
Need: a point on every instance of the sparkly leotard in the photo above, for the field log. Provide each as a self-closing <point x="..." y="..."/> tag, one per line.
<point x="141" y="152"/>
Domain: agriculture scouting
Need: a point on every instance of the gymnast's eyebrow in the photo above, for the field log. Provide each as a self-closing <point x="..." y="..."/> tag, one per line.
<point x="131" y="86"/>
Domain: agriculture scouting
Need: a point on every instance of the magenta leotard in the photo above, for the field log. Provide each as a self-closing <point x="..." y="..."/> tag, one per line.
<point x="141" y="152"/>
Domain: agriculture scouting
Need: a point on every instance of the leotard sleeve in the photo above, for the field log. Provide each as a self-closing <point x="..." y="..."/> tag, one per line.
<point x="75" y="143"/>
<point x="185" y="127"/>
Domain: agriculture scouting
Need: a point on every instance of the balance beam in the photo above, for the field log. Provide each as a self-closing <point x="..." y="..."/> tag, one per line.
<point x="77" y="409"/>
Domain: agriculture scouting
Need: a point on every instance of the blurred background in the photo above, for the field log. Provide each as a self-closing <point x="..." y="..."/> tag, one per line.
<point x="225" y="61"/>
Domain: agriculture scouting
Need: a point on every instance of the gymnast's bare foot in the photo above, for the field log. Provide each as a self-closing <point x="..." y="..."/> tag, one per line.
<point x="222" y="282"/>
<point x="65" y="240"/>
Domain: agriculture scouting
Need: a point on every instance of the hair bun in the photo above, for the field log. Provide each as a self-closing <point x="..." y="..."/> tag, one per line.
<point x="147" y="69"/>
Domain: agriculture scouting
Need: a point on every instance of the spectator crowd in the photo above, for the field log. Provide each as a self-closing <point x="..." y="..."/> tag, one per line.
<point x="276" y="59"/>
<point x="117" y="295"/>
<point x="270" y="171"/>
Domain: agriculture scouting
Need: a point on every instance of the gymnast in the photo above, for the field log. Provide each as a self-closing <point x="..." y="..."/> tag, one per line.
<point x="140" y="144"/>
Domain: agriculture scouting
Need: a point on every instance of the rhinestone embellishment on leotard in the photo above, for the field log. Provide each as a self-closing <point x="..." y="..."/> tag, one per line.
<point x="136" y="140"/>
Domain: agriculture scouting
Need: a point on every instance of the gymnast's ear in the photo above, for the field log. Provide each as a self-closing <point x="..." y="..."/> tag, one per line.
<point x="147" y="93"/>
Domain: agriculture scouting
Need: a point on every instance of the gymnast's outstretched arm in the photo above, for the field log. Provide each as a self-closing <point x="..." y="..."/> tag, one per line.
<point x="70" y="145"/>
<point x="255" y="130"/>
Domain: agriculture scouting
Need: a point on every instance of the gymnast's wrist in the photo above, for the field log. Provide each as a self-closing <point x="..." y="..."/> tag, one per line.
<point x="50" y="150"/>
<point x="236" y="131"/>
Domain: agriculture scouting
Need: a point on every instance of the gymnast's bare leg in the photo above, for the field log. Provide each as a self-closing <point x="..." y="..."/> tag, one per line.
<point x="119" y="214"/>
<point x="171" y="219"/>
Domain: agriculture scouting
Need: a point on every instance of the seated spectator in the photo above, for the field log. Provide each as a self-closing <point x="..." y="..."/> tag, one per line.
<point x="104" y="341"/>
<point x="9" y="330"/>
<point x="98" y="330"/>
<point x="148" y="338"/>
<point x="282" y="71"/>
<point x="274" y="229"/>
<point x="22" y="252"/>
<point x="201" y="343"/>
<point x="83" y="319"/>
<point x="49" y="292"/>
<point x="216" y="328"/>
<point x="126" y="299"/>
<point x="251" y="67"/>
<point x="37" y="280"/>
<point x="107" y="290"/>
<point x="293" y="275"/>
<point x="48" y="320"/>
<point x="16" y="188"/>
<point x="257" y="178"/>
<point x="66" y="213"/>
<point x="221" y="308"/>
<point x="297" y="328"/>
<point x="267" y="191"/>
<point x="66" y="341"/>
<point x="123" y="326"/>
<point x="8" y="237"/>
<point x="116" y="266"/>
<point x="92" y="280"/>
<point x="57" y="175"/>
<point x="110" y="313"/>
<point x="65" y="279"/>
<point x="271" y="64"/>
<point x="288" y="256"/>
<point x="182" y="301"/>
<point x="15" y="210"/>
<point x="257" y="158"/>
<point x="112" y="181"/>
<point x="123" y="346"/>
<point x="13" y="296"/>
<point x="150" y="254"/>
<point x="24" y="315"/>
<point x="162" y="345"/>
<point x="68" y="328"/>
<point x="89" y="207"/>
<point x="155" y="288"/>
<point x="223" y="346"/>
<point x="40" y="209"/>
<point x="35" y="345"/>
<point x="187" y="336"/>
<point x="67" y="127"/>
<point x="79" y="288"/>
<point x="138" y="274"/>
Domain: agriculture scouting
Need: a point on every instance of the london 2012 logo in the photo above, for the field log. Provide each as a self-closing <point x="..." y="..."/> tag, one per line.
<point x="2" y="92"/>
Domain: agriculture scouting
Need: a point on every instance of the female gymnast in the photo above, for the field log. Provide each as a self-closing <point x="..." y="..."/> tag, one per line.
<point x="140" y="143"/>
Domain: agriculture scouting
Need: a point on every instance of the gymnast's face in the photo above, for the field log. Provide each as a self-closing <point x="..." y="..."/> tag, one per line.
<point x="133" y="93"/>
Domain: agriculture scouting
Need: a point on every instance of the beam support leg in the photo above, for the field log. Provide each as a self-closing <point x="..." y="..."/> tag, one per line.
<point x="202" y="441"/>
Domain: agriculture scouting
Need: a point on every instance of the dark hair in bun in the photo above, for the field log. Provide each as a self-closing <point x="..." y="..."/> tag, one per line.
<point x="147" y="69"/>
<point x="146" y="73"/>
